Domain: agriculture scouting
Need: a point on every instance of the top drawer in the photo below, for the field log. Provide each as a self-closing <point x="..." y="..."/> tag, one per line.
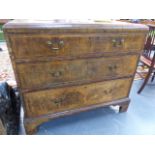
<point x="36" y="45"/>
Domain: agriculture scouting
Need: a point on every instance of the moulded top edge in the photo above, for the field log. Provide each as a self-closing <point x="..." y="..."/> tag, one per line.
<point x="72" y="24"/>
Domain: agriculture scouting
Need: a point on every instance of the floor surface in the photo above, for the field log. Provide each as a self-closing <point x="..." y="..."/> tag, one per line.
<point x="138" y="120"/>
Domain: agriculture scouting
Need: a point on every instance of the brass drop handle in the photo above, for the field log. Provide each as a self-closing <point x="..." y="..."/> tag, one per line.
<point x="55" y="44"/>
<point x="57" y="73"/>
<point x="117" y="42"/>
<point x="112" y="67"/>
<point x="58" y="101"/>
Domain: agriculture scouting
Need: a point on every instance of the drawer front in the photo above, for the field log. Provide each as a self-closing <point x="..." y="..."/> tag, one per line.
<point x="30" y="46"/>
<point x="61" y="99"/>
<point x="45" y="74"/>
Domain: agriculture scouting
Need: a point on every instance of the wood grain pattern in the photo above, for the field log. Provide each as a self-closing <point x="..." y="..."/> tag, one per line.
<point x="61" y="99"/>
<point x="32" y="124"/>
<point x="30" y="46"/>
<point x="67" y="67"/>
<point x="70" y="26"/>
<point x="48" y="74"/>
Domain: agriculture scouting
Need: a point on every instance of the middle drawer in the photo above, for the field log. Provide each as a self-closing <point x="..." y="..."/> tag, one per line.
<point x="48" y="74"/>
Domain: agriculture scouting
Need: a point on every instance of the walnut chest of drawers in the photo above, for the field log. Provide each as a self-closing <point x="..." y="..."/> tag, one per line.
<point x="63" y="67"/>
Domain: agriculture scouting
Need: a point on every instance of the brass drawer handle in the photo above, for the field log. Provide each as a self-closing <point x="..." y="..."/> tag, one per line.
<point x="55" y="44"/>
<point x="58" y="101"/>
<point x="112" y="67"/>
<point x="118" y="42"/>
<point x="56" y="73"/>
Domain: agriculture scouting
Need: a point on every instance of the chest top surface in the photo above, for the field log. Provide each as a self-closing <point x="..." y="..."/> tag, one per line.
<point x="86" y="25"/>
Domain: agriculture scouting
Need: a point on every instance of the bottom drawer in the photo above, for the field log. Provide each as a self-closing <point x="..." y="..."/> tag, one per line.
<point x="61" y="99"/>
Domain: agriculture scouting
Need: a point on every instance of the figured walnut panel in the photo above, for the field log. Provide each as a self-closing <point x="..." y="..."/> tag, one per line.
<point x="59" y="65"/>
<point x="45" y="74"/>
<point x="63" y="99"/>
<point x="36" y="45"/>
